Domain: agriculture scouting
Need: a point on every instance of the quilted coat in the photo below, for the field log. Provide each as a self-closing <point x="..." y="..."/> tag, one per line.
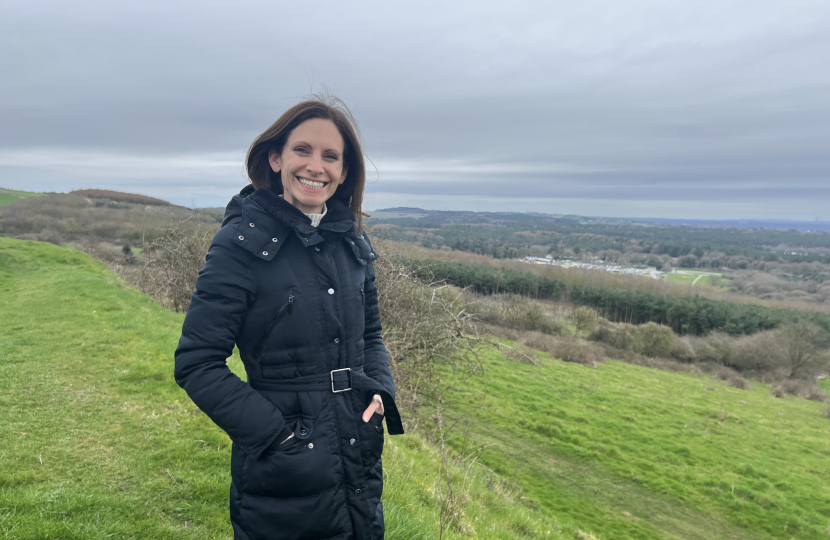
<point x="301" y="305"/>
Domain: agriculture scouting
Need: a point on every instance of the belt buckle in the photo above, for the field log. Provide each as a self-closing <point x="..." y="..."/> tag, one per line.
<point x="332" y="380"/>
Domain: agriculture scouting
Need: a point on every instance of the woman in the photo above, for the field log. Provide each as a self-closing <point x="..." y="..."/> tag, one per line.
<point x="289" y="280"/>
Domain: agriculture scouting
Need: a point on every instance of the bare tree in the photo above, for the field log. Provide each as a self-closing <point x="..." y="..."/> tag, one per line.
<point x="803" y="343"/>
<point x="427" y="329"/>
<point x="585" y="320"/>
<point x="179" y="253"/>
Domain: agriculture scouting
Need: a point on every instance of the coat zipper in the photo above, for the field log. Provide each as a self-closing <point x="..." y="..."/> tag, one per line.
<point x="285" y="309"/>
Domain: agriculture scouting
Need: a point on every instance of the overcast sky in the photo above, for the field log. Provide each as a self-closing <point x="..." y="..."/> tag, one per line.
<point x="690" y="109"/>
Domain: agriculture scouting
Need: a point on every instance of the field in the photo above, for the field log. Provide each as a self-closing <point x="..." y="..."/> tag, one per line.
<point x="99" y="442"/>
<point x="632" y="452"/>
<point x="8" y="196"/>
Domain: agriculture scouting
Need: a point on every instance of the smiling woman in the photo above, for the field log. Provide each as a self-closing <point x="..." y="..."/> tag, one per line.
<point x="289" y="281"/>
<point x="317" y="142"/>
<point x="310" y="165"/>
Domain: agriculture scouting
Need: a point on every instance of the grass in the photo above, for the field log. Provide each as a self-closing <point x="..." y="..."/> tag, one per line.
<point x="9" y="196"/>
<point x="681" y="278"/>
<point x="637" y="453"/>
<point x="691" y="275"/>
<point x="99" y="442"/>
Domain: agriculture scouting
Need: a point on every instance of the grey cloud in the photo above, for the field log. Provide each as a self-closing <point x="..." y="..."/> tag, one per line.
<point x="637" y="101"/>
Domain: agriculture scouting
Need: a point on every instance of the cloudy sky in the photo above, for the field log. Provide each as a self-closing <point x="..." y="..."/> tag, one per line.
<point x="691" y="109"/>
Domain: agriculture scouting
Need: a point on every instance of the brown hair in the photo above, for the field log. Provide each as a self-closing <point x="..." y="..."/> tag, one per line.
<point x="350" y="192"/>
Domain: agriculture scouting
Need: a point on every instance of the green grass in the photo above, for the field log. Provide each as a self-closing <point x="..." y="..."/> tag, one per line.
<point x="636" y="453"/>
<point x="9" y="196"/>
<point x="681" y="278"/>
<point x="706" y="280"/>
<point x="99" y="442"/>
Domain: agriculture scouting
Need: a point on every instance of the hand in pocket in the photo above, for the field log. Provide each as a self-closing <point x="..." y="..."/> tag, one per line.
<point x="376" y="406"/>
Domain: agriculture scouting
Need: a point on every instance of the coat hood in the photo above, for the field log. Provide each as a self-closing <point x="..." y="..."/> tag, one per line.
<point x="338" y="218"/>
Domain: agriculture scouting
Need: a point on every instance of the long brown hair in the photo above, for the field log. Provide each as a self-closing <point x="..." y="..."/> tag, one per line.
<point x="350" y="192"/>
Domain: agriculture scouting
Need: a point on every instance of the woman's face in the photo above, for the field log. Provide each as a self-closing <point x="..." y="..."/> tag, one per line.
<point x="310" y="165"/>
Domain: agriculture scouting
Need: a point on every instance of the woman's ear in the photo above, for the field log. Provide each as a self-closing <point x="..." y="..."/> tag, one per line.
<point x="275" y="161"/>
<point x="343" y="175"/>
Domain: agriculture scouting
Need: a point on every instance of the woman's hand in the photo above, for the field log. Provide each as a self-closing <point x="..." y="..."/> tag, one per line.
<point x="376" y="406"/>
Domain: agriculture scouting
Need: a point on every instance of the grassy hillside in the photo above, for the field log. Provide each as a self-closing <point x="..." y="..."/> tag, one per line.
<point x="9" y="196"/>
<point x="99" y="442"/>
<point x="639" y="453"/>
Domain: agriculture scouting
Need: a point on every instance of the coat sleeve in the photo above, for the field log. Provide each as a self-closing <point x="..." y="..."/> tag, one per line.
<point x="376" y="357"/>
<point x="224" y="290"/>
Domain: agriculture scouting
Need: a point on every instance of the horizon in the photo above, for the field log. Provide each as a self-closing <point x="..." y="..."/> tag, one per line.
<point x="824" y="226"/>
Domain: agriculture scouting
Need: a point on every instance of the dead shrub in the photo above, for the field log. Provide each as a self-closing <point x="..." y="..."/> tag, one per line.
<point x="571" y="349"/>
<point x="682" y="350"/>
<point x="723" y="373"/>
<point x="648" y="339"/>
<point x="427" y="330"/>
<point x="804" y="346"/>
<point x="716" y="348"/>
<point x="516" y="312"/>
<point x="801" y="388"/>
<point x="173" y="263"/>
<point x="739" y="382"/>
<point x="761" y="351"/>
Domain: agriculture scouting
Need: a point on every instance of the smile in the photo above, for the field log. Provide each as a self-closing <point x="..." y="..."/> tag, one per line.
<point x="311" y="184"/>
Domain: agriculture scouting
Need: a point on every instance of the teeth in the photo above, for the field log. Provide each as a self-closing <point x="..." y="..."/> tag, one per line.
<point x="311" y="183"/>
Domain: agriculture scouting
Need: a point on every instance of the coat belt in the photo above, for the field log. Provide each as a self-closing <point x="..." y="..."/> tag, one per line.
<point x="339" y="380"/>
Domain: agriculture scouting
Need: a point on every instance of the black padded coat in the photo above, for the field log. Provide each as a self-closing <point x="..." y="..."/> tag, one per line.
<point x="301" y="304"/>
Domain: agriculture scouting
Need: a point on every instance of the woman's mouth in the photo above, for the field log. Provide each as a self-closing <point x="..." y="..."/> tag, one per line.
<point x="313" y="185"/>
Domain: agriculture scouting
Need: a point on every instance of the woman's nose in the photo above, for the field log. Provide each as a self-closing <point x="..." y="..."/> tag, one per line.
<point x="315" y="163"/>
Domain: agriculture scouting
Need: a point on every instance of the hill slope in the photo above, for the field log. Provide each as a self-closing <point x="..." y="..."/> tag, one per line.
<point x="60" y="218"/>
<point x="9" y="196"/>
<point x="99" y="442"/>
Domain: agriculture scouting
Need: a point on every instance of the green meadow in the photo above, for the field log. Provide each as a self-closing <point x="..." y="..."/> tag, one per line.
<point x="8" y="196"/>
<point x="99" y="442"/>
<point x="633" y="452"/>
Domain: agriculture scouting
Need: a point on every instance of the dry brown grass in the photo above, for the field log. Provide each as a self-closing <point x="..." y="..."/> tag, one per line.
<point x="119" y="196"/>
<point x="61" y="218"/>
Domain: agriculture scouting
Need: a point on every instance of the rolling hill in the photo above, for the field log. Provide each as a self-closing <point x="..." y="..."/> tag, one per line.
<point x="99" y="442"/>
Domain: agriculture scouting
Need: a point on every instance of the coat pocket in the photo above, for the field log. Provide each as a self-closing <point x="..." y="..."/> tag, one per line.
<point x="371" y="439"/>
<point x="284" y="310"/>
<point x="295" y="468"/>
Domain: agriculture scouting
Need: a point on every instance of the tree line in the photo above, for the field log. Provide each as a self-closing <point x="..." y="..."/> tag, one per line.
<point x="685" y="315"/>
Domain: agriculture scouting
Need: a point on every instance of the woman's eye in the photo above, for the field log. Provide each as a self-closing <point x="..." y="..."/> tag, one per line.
<point x="301" y="150"/>
<point x="332" y="157"/>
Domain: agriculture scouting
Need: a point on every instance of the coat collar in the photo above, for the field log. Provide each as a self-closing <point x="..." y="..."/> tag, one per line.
<point x="338" y="218"/>
<point x="267" y="220"/>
